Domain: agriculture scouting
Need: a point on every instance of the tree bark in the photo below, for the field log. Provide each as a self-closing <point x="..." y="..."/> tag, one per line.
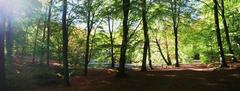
<point x="167" y="50"/>
<point x="218" y="33"/>
<point x="149" y="58"/>
<point x="49" y="30"/>
<point x="234" y="59"/>
<point x="65" y="43"/>
<point x="111" y="41"/>
<point x="146" y="35"/>
<point x="160" y="50"/>
<point x="121" y="69"/>
<point x="87" y="39"/>
<point x="175" y="19"/>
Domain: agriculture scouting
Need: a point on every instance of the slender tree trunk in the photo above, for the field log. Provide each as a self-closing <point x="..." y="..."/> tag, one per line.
<point x="160" y="50"/>
<point x="234" y="59"/>
<point x="175" y="20"/>
<point x="35" y="45"/>
<point x="149" y="58"/>
<point x="87" y="40"/>
<point x="121" y="69"/>
<point x="49" y="30"/>
<point x="167" y="50"/>
<point x="146" y="35"/>
<point x="218" y="33"/>
<point x="87" y="54"/>
<point x="43" y="40"/>
<point x="2" y="58"/>
<point x="65" y="43"/>
<point x="111" y="41"/>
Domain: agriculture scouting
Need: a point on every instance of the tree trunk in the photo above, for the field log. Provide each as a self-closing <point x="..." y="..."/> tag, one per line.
<point x="87" y="54"/>
<point x="121" y="69"/>
<point x="35" y="45"/>
<point x="65" y="43"/>
<point x="87" y="40"/>
<point x="218" y="33"/>
<point x="175" y="19"/>
<point x="149" y="57"/>
<point x="43" y="40"/>
<point x="146" y="36"/>
<point x="160" y="50"/>
<point x="234" y="59"/>
<point x="111" y="41"/>
<point x="2" y="60"/>
<point x="167" y="50"/>
<point x="49" y="30"/>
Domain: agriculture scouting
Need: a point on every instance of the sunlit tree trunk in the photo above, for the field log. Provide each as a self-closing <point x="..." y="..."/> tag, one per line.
<point x="121" y="69"/>
<point x="49" y="30"/>
<point x="65" y="42"/>
<point x="234" y="59"/>
<point x="167" y="50"/>
<point x="2" y="60"/>
<point x="160" y="50"/>
<point x="218" y="33"/>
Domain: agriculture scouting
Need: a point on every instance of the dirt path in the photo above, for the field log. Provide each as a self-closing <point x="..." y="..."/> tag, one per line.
<point x="185" y="78"/>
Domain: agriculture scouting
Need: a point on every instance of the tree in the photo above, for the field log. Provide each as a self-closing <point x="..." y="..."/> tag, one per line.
<point x="65" y="42"/>
<point x="146" y="36"/>
<point x="175" y="18"/>
<point x="121" y="69"/>
<point x="218" y="33"/>
<point x="91" y="15"/>
<point x="35" y="43"/>
<point x="160" y="50"/>
<point x="49" y="30"/>
<point x="43" y="39"/>
<point x="110" y="29"/>
<point x="2" y="60"/>
<point x="225" y="25"/>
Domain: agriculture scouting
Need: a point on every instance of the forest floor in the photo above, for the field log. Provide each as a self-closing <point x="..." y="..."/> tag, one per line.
<point x="189" y="77"/>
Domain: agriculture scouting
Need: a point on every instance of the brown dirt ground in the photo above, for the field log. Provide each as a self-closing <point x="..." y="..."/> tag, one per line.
<point x="195" y="77"/>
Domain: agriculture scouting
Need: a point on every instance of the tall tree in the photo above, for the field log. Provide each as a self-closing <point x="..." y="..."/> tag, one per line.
<point x="49" y="30"/>
<point x="65" y="42"/>
<point x="89" y="30"/>
<point x="110" y="29"/>
<point x="121" y="69"/>
<point x="146" y="35"/>
<point x="218" y="33"/>
<point x="175" y="18"/>
<point x="35" y="43"/>
<point x="234" y="59"/>
<point x="91" y="16"/>
<point x="43" y="38"/>
<point x="2" y="60"/>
